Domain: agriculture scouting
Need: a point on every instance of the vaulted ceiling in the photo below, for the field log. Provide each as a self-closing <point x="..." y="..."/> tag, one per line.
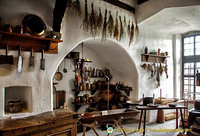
<point x="175" y="20"/>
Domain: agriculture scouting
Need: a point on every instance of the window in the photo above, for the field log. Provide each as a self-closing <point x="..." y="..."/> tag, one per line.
<point x="191" y="64"/>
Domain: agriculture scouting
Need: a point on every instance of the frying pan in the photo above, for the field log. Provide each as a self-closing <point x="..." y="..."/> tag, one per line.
<point x="58" y="75"/>
<point x="64" y="70"/>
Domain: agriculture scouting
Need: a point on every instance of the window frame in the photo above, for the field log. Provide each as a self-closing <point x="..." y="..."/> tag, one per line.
<point x="190" y="59"/>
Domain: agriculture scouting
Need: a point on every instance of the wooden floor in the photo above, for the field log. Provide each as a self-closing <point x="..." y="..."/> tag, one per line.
<point x="132" y="125"/>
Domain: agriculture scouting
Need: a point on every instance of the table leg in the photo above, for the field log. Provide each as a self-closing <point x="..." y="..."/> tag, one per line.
<point x="182" y="121"/>
<point x="176" y="118"/>
<point x="144" y="122"/>
<point x="140" y="119"/>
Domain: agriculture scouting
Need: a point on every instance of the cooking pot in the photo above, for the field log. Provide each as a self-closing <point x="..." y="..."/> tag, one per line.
<point x="34" y="25"/>
<point x="147" y="100"/>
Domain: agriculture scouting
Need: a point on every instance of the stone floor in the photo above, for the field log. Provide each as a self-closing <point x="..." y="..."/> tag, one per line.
<point x="130" y="126"/>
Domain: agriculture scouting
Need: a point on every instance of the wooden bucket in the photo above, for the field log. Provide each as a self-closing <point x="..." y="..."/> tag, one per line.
<point x="160" y="116"/>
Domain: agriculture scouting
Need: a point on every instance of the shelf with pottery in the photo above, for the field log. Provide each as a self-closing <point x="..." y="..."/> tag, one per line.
<point x="154" y="58"/>
<point x="26" y="42"/>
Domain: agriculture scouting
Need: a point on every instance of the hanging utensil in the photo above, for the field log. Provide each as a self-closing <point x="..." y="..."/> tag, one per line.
<point x="42" y="61"/>
<point x="5" y="59"/>
<point x="31" y="59"/>
<point x="58" y="75"/>
<point x="64" y="70"/>
<point x="20" y="61"/>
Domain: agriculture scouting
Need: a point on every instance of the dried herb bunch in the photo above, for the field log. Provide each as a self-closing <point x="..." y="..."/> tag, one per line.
<point x="69" y="3"/>
<point x="131" y="34"/>
<point x="104" y="26"/>
<point x="93" y="22"/>
<point x="121" y="29"/>
<point x="125" y="21"/>
<point x="110" y="24"/>
<point x="116" y="28"/>
<point x="77" y="7"/>
<point x="99" y="19"/>
<point x="86" y="20"/>
<point x="136" y="31"/>
<point x="129" y="28"/>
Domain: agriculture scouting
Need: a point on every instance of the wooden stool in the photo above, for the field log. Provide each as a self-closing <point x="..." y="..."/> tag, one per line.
<point x="118" y="123"/>
<point x="91" y="125"/>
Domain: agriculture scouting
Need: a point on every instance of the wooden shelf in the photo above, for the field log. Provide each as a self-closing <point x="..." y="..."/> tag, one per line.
<point x="26" y="42"/>
<point x="78" y="91"/>
<point x="153" y="58"/>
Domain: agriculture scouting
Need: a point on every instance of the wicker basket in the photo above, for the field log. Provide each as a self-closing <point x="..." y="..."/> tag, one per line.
<point x="15" y="106"/>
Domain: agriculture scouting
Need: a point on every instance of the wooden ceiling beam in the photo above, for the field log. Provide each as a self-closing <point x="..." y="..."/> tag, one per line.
<point x="58" y="13"/>
<point x="141" y="1"/>
<point x="121" y="5"/>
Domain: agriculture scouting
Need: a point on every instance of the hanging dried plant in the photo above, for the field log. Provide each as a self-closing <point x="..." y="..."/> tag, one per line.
<point x="77" y="7"/>
<point x="121" y="29"/>
<point x="125" y="21"/>
<point x="129" y="28"/>
<point x="93" y="22"/>
<point x="104" y="26"/>
<point x="116" y="28"/>
<point x="86" y="20"/>
<point x="131" y="34"/>
<point x="69" y="3"/>
<point x="110" y="24"/>
<point x="136" y="31"/>
<point x="99" y="19"/>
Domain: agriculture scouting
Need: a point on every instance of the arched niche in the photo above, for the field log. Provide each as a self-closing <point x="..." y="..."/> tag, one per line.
<point x="107" y="54"/>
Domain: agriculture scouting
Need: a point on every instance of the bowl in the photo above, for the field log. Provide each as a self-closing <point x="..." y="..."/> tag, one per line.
<point x="87" y="114"/>
<point x="172" y="105"/>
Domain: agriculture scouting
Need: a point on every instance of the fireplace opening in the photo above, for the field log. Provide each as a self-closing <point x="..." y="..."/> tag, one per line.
<point x="18" y="99"/>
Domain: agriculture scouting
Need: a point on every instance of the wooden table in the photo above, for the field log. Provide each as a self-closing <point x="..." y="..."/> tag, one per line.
<point x="161" y="107"/>
<point x="57" y="122"/>
<point x="112" y="115"/>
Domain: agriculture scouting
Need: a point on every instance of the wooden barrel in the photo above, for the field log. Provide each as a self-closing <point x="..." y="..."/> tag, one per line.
<point x="160" y="116"/>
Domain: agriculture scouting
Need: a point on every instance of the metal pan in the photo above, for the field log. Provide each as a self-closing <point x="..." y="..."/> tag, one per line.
<point x="34" y="25"/>
<point x="5" y="59"/>
<point x="58" y="75"/>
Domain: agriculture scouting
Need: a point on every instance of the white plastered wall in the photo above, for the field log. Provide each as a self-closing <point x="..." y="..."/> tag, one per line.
<point x="41" y="81"/>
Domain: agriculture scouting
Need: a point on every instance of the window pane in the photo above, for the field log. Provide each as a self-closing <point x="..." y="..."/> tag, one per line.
<point x="197" y="49"/>
<point x="189" y="46"/>
<point x="197" y="38"/>
<point x="189" y="81"/>
<point x="188" y="52"/>
<point x="188" y="65"/>
<point x="197" y="67"/>
<point x="188" y="40"/>
<point x="188" y="68"/>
